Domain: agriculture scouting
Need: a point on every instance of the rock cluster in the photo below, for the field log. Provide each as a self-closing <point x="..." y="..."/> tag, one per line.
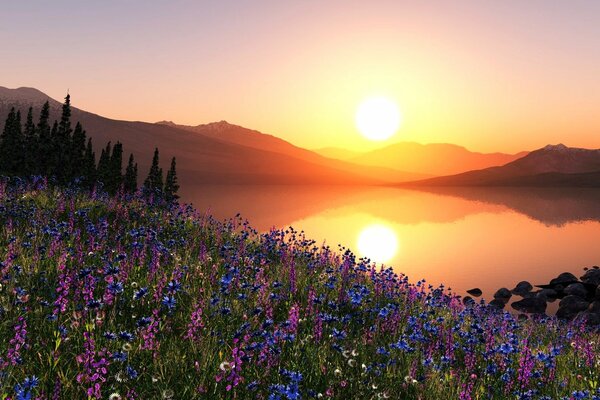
<point x="579" y="298"/>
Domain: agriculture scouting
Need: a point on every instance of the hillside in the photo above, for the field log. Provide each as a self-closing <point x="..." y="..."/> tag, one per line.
<point x="239" y="135"/>
<point x="435" y="159"/>
<point x="205" y="157"/>
<point x="337" y="152"/>
<point x="552" y="165"/>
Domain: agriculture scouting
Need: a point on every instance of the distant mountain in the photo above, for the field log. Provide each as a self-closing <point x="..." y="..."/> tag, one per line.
<point x="239" y="135"/>
<point x="435" y="159"/>
<point x="217" y="153"/>
<point x="337" y="152"/>
<point x="552" y="165"/>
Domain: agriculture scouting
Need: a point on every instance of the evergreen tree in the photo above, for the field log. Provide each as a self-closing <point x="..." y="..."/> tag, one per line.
<point x="63" y="144"/>
<point x="88" y="170"/>
<point x="30" y="144"/>
<point x="77" y="153"/>
<point x="130" y="179"/>
<point x="44" y="142"/>
<point x="114" y="178"/>
<point x="53" y="159"/>
<point x="5" y="151"/>
<point x="154" y="181"/>
<point x="11" y="145"/>
<point x="104" y="164"/>
<point x="171" y="184"/>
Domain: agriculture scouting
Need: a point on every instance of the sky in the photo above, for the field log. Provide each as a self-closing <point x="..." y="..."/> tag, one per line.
<point x="506" y="75"/>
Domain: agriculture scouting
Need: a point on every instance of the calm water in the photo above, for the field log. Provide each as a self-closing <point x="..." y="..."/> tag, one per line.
<point x="464" y="238"/>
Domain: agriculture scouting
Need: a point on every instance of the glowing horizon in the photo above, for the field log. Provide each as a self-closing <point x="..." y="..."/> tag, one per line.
<point x="506" y="76"/>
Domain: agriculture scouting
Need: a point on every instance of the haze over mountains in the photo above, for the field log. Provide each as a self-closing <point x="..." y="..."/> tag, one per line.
<point x="208" y="157"/>
<point x="435" y="159"/>
<point x="552" y="165"/>
<point x="225" y="153"/>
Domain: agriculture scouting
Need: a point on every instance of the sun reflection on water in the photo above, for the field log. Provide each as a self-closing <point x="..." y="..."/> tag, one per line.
<point x="377" y="242"/>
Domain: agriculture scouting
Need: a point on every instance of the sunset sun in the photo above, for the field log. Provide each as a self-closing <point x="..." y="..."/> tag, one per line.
<point x="378" y="118"/>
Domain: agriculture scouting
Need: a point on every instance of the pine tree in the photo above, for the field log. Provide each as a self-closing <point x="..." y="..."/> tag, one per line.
<point x="5" y="151"/>
<point x="130" y="179"/>
<point x="104" y="165"/>
<point x="62" y="144"/>
<point x="171" y="184"/>
<point x="114" y="178"/>
<point x="44" y="142"/>
<point x="89" y="166"/>
<point x="53" y="161"/>
<point x="30" y="143"/>
<point x="11" y="145"/>
<point x="77" y="153"/>
<point x="154" y="181"/>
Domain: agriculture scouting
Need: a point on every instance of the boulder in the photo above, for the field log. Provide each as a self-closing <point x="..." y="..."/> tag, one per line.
<point x="570" y="306"/>
<point x="503" y="294"/>
<point x="533" y="305"/>
<point x="475" y="292"/>
<point x="576" y="289"/>
<point x="468" y="300"/>
<point x="522" y="288"/>
<point x="547" y="294"/>
<point x="590" y="318"/>
<point x="564" y="279"/>
<point x="591" y="276"/>
<point x="594" y="306"/>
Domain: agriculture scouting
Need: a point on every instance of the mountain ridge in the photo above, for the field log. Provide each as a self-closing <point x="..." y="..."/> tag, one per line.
<point x="201" y="158"/>
<point x="551" y="165"/>
<point x="434" y="158"/>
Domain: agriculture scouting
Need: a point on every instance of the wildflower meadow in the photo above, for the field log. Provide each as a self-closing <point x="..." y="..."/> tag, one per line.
<point x="121" y="297"/>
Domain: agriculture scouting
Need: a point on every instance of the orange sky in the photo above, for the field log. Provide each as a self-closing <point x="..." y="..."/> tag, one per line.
<point x="492" y="76"/>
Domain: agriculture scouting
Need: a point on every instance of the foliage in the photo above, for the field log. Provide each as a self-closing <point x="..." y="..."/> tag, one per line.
<point x="66" y="155"/>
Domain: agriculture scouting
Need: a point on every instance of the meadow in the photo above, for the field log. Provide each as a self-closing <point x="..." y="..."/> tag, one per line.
<point x="122" y="297"/>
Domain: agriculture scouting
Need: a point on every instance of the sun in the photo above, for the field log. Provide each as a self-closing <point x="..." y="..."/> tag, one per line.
<point x="378" y="242"/>
<point x="378" y="118"/>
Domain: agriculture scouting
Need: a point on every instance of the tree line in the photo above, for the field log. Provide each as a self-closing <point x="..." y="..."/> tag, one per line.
<point x="67" y="155"/>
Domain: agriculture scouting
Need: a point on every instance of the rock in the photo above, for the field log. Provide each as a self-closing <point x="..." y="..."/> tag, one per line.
<point x="576" y="289"/>
<point x="530" y="305"/>
<point x="565" y="279"/>
<point x="574" y="302"/>
<point x="590" y="318"/>
<point x="468" y="300"/>
<point x="503" y="294"/>
<point x="570" y="306"/>
<point x="594" y="306"/>
<point x="522" y="288"/>
<point x="592" y="276"/>
<point x="497" y="303"/>
<point x="475" y="292"/>
<point x="547" y="294"/>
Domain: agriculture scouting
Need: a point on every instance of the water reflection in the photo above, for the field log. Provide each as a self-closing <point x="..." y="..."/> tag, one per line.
<point x="378" y="242"/>
<point x="464" y="238"/>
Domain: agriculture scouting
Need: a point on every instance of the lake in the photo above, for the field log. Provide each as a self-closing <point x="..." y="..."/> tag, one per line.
<point x="461" y="237"/>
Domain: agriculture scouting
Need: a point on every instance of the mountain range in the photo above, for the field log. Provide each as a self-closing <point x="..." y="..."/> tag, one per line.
<point x="214" y="157"/>
<point x="434" y="159"/>
<point x="552" y="165"/>
<point x="224" y="153"/>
